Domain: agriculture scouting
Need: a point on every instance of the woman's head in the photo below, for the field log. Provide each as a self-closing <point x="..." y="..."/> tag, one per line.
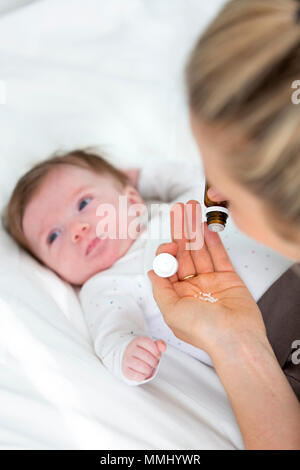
<point x="239" y="78"/>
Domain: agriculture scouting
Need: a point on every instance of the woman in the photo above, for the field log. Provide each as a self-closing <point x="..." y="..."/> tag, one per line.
<point x="239" y="79"/>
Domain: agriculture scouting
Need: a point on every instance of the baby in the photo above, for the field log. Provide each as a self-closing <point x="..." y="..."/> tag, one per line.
<point x="59" y="213"/>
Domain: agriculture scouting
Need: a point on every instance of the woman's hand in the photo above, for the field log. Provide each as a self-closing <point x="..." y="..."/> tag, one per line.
<point x="232" y="332"/>
<point x="205" y="324"/>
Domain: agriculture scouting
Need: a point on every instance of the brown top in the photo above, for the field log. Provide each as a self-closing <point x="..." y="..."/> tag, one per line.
<point x="280" y="307"/>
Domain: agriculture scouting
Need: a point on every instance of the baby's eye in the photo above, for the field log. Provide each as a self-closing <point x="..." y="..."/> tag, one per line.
<point x="53" y="236"/>
<point x="84" y="203"/>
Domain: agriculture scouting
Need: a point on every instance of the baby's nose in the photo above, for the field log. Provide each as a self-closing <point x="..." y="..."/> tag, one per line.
<point x="78" y="230"/>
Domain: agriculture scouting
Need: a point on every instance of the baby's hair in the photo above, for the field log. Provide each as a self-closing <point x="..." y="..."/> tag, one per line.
<point x="240" y="78"/>
<point x="31" y="181"/>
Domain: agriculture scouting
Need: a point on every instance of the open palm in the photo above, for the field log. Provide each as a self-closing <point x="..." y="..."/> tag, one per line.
<point x="182" y="302"/>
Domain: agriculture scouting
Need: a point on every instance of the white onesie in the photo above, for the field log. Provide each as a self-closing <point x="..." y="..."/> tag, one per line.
<point x="118" y="303"/>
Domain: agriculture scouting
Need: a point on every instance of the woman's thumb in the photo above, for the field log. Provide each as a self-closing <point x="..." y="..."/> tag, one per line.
<point x="163" y="292"/>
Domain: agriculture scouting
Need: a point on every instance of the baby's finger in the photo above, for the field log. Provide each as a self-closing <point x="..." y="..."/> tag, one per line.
<point x="218" y="253"/>
<point x="179" y="230"/>
<point x="147" y="344"/>
<point x="135" y="375"/>
<point x="172" y="249"/>
<point x="146" y="356"/>
<point x="139" y="366"/>
<point x="161" y="345"/>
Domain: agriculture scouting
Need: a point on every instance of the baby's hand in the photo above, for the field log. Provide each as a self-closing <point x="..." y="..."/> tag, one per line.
<point x="141" y="357"/>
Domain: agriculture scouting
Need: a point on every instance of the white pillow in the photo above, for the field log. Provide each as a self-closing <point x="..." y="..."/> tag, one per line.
<point x="9" y="5"/>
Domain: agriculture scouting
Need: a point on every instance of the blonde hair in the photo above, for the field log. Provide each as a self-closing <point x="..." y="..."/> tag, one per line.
<point x="31" y="181"/>
<point x="239" y="78"/>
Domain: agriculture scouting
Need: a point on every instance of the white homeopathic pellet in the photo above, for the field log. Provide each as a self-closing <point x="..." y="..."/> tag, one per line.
<point x="165" y="265"/>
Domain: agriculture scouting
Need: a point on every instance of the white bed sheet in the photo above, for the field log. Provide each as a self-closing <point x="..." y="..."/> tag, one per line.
<point x="79" y="73"/>
<point x="55" y="394"/>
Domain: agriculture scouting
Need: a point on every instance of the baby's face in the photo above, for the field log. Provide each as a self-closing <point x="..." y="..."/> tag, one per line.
<point x="60" y="222"/>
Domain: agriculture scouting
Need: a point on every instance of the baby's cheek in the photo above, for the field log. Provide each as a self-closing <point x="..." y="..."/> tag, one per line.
<point x="67" y="266"/>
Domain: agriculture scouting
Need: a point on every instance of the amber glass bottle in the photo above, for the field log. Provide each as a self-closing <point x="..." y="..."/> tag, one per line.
<point x="216" y="212"/>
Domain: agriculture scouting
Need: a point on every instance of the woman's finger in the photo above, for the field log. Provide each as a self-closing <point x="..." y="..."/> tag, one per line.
<point x="215" y="195"/>
<point x="179" y="230"/>
<point x="199" y="253"/>
<point x="218" y="253"/>
<point x="170" y="248"/>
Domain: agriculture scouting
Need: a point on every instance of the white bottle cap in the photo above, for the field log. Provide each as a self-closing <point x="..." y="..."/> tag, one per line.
<point x="165" y="265"/>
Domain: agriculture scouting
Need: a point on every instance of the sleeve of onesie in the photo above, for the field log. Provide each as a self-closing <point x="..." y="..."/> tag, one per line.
<point x="171" y="181"/>
<point x="113" y="321"/>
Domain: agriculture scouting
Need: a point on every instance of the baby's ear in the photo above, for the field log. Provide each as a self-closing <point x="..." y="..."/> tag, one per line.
<point x="132" y="194"/>
<point x="133" y="175"/>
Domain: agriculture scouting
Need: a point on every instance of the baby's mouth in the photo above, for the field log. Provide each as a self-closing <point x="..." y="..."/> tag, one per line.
<point x="92" y="245"/>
